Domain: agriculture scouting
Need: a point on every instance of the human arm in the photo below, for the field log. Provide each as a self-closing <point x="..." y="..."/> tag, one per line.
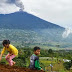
<point x="1" y="57"/>
<point x="2" y="53"/>
<point x="37" y="66"/>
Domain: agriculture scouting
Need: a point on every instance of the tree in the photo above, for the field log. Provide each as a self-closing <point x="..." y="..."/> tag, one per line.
<point x="50" y="51"/>
<point x="67" y="65"/>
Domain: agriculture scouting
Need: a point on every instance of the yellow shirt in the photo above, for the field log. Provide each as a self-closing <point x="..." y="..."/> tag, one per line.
<point x="11" y="50"/>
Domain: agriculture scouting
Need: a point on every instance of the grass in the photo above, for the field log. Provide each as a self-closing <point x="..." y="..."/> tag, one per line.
<point x="47" y="47"/>
<point x="57" y="66"/>
<point x="3" y="61"/>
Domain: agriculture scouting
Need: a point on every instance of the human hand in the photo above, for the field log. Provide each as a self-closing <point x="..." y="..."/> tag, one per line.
<point x="42" y="69"/>
<point x="8" y="56"/>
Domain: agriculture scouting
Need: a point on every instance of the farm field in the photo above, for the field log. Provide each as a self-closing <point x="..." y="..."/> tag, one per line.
<point x="57" y="66"/>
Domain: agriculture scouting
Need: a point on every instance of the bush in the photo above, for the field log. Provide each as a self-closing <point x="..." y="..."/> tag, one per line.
<point x="67" y="65"/>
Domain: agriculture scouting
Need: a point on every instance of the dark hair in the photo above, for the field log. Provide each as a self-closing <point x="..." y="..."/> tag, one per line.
<point x="36" y="48"/>
<point x="6" y="42"/>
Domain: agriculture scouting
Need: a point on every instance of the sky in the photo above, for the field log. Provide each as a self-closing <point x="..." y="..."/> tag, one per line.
<point x="55" y="11"/>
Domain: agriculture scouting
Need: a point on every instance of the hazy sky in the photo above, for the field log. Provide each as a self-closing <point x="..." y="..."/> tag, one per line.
<point x="55" y="11"/>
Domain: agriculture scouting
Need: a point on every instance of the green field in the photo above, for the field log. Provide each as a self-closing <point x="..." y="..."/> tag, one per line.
<point x="57" y="66"/>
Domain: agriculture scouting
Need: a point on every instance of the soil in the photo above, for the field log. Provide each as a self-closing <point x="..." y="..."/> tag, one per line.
<point x="7" y="68"/>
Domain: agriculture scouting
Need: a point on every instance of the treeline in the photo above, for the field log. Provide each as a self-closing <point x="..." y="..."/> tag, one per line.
<point x="25" y="53"/>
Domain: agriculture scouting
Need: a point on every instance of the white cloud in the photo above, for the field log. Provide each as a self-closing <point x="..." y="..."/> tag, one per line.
<point x="56" y="11"/>
<point x="7" y="8"/>
<point x="66" y="33"/>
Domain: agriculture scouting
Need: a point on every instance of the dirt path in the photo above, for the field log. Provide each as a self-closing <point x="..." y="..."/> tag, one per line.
<point x="7" y="68"/>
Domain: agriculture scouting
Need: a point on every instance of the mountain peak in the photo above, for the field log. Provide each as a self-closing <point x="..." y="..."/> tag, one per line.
<point x="24" y="20"/>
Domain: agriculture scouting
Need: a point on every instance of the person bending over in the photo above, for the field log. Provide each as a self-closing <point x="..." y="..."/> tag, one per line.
<point x="13" y="52"/>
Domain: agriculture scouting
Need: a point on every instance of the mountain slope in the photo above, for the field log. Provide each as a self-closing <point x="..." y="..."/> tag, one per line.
<point x="25" y="29"/>
<point x="7" y="68"/>
<point x="23" y="20"/>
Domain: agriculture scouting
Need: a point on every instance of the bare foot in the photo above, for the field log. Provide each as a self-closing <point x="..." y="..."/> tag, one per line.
<point x="14" y="63"/>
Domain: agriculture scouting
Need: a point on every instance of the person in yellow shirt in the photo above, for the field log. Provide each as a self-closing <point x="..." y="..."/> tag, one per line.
<point x="13" y="52"/>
